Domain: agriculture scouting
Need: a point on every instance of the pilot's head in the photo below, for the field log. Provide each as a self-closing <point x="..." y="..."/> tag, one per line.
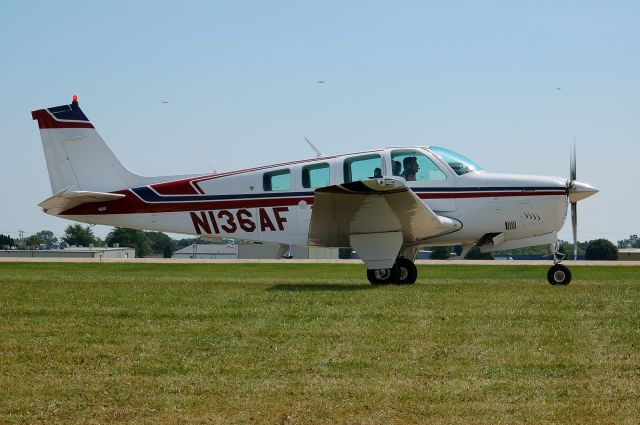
<point x="410" y="164"/>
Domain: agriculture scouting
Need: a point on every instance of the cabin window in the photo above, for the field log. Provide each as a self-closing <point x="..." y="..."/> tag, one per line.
<point x="316" y="175"/>
<point x="362" y="167"/>
<point x="415" y="166"/>
<point x="276" y="180"/>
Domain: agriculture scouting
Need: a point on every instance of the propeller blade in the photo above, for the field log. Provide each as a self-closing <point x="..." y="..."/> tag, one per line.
<point x="574" y="226"/>
<point x="572" y="167"/>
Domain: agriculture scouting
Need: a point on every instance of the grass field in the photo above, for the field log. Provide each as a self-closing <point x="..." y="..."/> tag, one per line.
<point x="306" y="344"/>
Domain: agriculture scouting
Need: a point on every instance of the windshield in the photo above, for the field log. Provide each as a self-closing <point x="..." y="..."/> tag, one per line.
<point x="459" y="163"/>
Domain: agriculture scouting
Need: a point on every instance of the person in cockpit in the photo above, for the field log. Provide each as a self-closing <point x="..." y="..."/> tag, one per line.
<point x="411" y="167"/>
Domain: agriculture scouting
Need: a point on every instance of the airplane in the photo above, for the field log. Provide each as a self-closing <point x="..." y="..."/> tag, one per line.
<point x="384" y="203"/>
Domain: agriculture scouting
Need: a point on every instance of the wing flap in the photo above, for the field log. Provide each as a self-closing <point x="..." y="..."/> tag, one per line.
<point x="373" y="206"/>
<point x="67" y="198"/>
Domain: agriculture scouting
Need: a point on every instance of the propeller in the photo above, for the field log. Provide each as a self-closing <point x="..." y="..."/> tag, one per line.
<point x="576" y="191"/>
<point x="574" y="205"/>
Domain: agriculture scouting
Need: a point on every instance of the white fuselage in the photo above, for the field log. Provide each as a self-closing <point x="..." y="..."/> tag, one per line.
<point x="259" y="204"/>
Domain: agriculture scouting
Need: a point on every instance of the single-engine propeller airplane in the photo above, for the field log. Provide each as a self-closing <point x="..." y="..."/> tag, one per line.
<point x="384" y="203"/>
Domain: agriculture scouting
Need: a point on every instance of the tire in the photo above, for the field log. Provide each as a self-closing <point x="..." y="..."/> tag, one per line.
<point x="407" y="271"/>
<point x="383" y="276"/>
<point x="559" y="275"/>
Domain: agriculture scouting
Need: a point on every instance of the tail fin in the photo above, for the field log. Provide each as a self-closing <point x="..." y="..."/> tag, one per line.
<point x="77" y="157"/>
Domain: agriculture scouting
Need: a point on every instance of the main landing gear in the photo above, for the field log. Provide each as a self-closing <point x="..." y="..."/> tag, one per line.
<point x="558" y="274"/>
<point x="403" y="272"/>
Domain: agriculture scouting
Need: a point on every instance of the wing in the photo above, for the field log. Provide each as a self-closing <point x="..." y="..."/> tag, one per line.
<point x="373" y="206"/>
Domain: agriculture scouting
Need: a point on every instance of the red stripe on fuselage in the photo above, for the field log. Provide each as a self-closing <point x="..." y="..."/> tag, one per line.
<point x="131" y="204"/>
<point x="450" y="195"/>
<point x="178" y="187"/>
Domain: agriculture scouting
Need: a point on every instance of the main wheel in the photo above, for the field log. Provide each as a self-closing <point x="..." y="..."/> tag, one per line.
<point x="559" y="275"/>
<point x="382" y="276"/>
<point x="407" y="271"/>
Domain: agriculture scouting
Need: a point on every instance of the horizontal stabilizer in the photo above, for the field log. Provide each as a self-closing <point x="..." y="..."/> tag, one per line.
<point x="67" y="198"/>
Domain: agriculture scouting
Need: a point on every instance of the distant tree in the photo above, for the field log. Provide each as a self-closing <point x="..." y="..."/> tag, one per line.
<point x="45" y="237"/>
<point x="475" y="254"/>
<point x="33" y="241"/>
<point x="77" y="235"/>
<point x="131" y="238"/>
<point x="631" y="242"/>
<point x="601" y="249"/>
<point x="161" y="244"/>
<point x="183" y="243"/>
<point x="440" y="253"/>
<point x="567" y="248"/>
<point x="7" y="241"/>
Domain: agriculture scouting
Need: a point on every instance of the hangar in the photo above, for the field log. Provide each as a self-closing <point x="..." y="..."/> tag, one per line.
<point x="629" y="254"/>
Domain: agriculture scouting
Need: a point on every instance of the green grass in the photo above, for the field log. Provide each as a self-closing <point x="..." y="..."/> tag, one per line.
<point x="271" y="343"/>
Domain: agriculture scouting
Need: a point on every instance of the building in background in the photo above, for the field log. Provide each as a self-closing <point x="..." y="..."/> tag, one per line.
<point x="250" y="251"/>
<point x="256" y="251"/>
<point x="207" y="252"/>
<point x="71" y="252"/>
<point x="629" y="254"/>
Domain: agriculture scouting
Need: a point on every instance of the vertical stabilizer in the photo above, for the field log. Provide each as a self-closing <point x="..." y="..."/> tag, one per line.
<point x="77" y="157"/>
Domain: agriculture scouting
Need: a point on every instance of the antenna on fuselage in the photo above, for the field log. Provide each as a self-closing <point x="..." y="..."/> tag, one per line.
<point x="318" y="153"/>
<point x="204" y="159"/>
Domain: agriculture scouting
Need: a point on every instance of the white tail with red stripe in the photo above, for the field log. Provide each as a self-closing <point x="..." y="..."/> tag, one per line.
<point x="77" y="156"/>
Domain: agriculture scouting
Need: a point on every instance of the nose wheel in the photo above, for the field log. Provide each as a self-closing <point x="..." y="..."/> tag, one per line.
<point x="558" y="274"/>
<point x="403" y="272"/>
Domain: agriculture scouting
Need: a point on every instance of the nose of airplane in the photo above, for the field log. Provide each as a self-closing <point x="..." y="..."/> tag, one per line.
<point x="579" y="191"/>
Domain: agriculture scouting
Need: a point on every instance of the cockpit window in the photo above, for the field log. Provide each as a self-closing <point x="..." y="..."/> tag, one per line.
<point x="415" y="166"/>
<point x="459" y="163"/>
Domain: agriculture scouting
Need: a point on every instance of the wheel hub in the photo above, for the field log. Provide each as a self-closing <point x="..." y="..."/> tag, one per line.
<point x="403" y="273"/>
<point x="383" y="274"/>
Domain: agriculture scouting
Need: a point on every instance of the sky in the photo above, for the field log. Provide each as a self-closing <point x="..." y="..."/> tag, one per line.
<point x="509" y="84"/>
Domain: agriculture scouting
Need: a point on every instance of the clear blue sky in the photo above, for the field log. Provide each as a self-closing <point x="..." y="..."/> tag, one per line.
<point x="241" y="82"/>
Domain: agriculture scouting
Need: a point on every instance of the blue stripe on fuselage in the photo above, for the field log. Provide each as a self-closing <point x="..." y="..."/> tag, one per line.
<point x="149" y="195"/>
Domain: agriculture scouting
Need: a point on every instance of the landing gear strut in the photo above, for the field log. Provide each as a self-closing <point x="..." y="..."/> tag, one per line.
<point x="558" y="274"/>
<point x="403" y="272"/>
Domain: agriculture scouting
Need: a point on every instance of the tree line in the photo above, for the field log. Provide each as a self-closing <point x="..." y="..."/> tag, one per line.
<point x="144" y="243"/>
<point x="597" y="249"/>
<point x="158" y="243"/>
